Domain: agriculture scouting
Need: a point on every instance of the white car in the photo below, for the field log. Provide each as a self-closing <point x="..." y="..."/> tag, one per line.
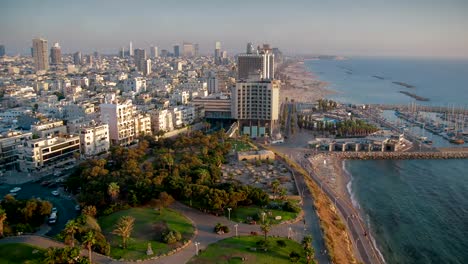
<point x="55" y="193"/>
<point x="54" y="210"/>
<point x="77" y="207"/>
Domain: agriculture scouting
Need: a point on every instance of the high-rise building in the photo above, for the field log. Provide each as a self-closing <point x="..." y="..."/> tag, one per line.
<point x="250" y="48"/>
<point x="122" y="52"/>
<point x="77" y="59"/>
<point x="89" y="60"/>
<point x="40" y="54"/>
<point x="188" y="50"/>
<point x="217" y="53"/>
<point x="255" y="66"/>
<point x="2" y="50"/>
<point x="196" y="50"/>
<point x="56" y="54"/>
<point x="154" y="52"/>
<point x="213" y="84"/>
<point x="130" y="49"/>
<point x="176" y="51"/>
<point x="140" y="59"/>
<point x="164" y="53"/>
<point x="147" y="67"/>
<point x="255" y="104"/>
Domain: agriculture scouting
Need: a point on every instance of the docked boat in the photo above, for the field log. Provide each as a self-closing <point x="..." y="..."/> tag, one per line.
<point x="16" y="189"/>
<point x="458" y="141"/>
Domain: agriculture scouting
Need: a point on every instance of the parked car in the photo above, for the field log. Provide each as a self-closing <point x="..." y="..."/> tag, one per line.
<point x="55" y="193"/>
<point x="53" y="218"/>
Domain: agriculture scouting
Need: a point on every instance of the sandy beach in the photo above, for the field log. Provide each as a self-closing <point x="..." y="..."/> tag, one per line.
<point x="301" y="85"/>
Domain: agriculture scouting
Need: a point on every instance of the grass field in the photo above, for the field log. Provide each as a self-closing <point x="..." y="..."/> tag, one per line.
<point x="20" y="253"/>
<point x="240" y="214"/>
<point x="149" y="225"/>
<point x="239" y="145"/>
<point x="233" y="250"/>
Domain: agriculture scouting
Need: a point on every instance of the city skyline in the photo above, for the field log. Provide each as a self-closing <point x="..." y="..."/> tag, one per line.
<point x="420" y="28"/>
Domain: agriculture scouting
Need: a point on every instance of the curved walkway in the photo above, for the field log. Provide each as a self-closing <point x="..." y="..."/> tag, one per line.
<point x="205" y="236"/>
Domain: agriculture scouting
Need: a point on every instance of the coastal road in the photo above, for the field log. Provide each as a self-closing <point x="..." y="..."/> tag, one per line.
<point x="362" y="242"/>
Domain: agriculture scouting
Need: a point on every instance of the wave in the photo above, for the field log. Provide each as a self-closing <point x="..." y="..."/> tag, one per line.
<point x="349" y="185"/>
<point x="358" y="206"/>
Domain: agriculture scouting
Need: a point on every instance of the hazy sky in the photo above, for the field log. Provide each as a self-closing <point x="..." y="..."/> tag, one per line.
<point x="436" y="28"/>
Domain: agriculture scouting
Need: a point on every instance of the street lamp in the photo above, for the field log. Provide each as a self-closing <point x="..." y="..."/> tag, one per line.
<point x="229" y="213"/>
<point x="289" y="232"/>
<point x="196" y="247"/>
<point x="236" y="225"/>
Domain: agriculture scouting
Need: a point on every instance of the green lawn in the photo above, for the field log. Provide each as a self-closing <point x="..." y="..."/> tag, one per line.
<point x="20" y="253"/>
<point x="232" y="250"/>
<point x="241" y="214"/>
<point x="239" y="145"/>
<point x="149" y="225"/>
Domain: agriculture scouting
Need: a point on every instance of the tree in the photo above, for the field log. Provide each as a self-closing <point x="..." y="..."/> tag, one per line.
<point x="113" y="190"/>
<point x="71" y="228"/>
<point x="3" y="217"/>
<point x="307" y="245"/>
<point x="124" y="228"/>
<point x="88" y="242"/>
<point x="90" y="210"/>
<point x="266" y="228"/>
<point x="275" y="185"/>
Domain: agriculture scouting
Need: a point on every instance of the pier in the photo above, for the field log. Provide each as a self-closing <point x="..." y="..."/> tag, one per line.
<point x="460" y="154"/>
<point x="424" y="108"/>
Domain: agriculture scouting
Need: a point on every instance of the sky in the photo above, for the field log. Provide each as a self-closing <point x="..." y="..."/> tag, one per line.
<point x="414" y="28"/>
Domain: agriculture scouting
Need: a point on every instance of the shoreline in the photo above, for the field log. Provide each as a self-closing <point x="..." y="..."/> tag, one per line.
<point x="302" y="85"/>
<point x="330" y="170"/>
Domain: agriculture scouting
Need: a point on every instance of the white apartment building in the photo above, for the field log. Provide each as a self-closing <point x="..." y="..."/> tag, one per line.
<point x="180" y="97"/>
<point x="161" y="120"/>
<point x="255" y="105"/>
<point x="49" y="129"/>
<point x="10" y="142"/>
<point x="46" y="154"/>
<point x="94" y="139"/>
<point x="136" y="84"/>
<point x="125" y="124"/>
<point x="183" y="116"/>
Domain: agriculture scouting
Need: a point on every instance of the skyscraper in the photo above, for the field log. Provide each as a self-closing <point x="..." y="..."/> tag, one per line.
<point x="146" y="67"/>
<point x="77" y="60"/>
<point x="130" y="49"/>
<point x="56" y="54"/>
<point x="250" y="48"/>
<point x="176" y="51"/>
<point x="213" y="83"/>
<point x="2" y="50"/>
<point x="154" y="52"/>
<point x="256" y="65"/>
<point x="140" y="59"/>
<point x="188" y="50"/>
<point x="122" y="52"/>
<point x="196" y="50"/>
<point x="255" y="104"/>
<point x="217" y="53"/>
<point x="40" y="54"/>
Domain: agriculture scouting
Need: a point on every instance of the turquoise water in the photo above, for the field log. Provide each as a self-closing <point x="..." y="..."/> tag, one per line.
<point x="417" y="209"/>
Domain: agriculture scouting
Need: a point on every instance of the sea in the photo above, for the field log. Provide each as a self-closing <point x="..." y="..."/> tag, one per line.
<point x="417" y="210"/>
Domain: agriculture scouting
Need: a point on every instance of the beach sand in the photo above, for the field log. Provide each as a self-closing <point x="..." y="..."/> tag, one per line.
<point x="301" y="85"/>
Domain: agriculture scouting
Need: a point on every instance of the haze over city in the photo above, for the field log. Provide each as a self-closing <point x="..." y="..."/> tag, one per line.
<point x="364" y="27"/>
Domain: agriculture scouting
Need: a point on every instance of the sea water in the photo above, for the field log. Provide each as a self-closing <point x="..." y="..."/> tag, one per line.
<point x="417" y="210"/>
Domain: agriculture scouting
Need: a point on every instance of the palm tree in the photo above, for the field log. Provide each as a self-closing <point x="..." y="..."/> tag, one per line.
<point x="113" y="190"/>
<point x="124" y="228"/>
<point x="3" y="217"/>
<point x="52" y="255"/>
<point x="71" y="228"/>
<point x="265" y="227"/>
<point x="88" y="241"/>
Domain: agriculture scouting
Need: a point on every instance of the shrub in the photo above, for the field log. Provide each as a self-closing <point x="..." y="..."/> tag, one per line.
<point x="291" y="207"/>
<point x="171" y="236"/>
<point x="221" y="228"/>
<point x="281" y="243"/>
<point x="294" y="256"/>
<point x="263" y="244"/>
